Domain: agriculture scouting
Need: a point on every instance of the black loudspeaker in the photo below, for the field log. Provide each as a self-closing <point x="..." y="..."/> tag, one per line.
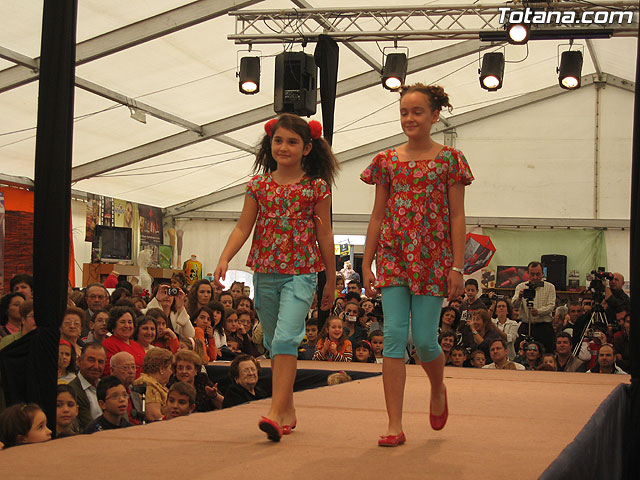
<point x="296" y="84"/>
<point x="556" y="266"/>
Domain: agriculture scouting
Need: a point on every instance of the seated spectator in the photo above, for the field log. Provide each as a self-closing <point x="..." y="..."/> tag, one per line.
<point x="338" y="305"/>
<point x="607" y="361"/>
<point x="120" y="324"/>
<point x="123" y="366"/>
<point x="449" y="319"/>
<point x="376" y="339"/>
<point x="548" y="363"/>
<point x="366" y="304"/>
<point x="188" y="370"/>
<point x="477" y="359"/>
<point x="333" y="345"/>
<point x="533" y="352"/>
<point x="447" y="339"/>
<point x="97" y="298"/>
<point x="156" y="372"/>
<point x="230" y="323"/>
<point x="339" y="285"/>
<point x="202" y="320"/>
<point x="71" y="328"/>
<point x="500" y="358"/>
<point x="217" y="323"/>
<point x="363" y="352"/>
<point x="456" y="303"/>
<point x="22" y="283"/>
<point x="352" y="297"/>
<point x="308" y="346"/>
<point x="21" y="424"/>
<point x="458" y="356"/>
<point x="244" y="303"/>
<point x="66" y="362"/>
<point x="226" y="299"/>
<point x="507" y="328"/>
<point x="145" y="332"/>
<point x="480" y="332"/>
<point x="565" y="360"/>
<point x="471" y="301"/>
<point x="622" y="345"/>
<point x="66" y="412"/>
<point x="246" y="319"/>
<point x="234" y="345"/>
<point x="237" y="290"/>
<point x="113" y="399"/>
<point x="91" y="366"/>
<point x="559" y="318"/>
<point x="98" y="327"/>
<point x="354" y="287"/>
<point x="181" y="400"/>
<point x="27" y="321"/>
<point x="572" y="318"/>
<point x="244" y="372"/>
<point x="165" y="337"/>
<point x="10" y="322"/>
<point x="178" y="280"/>
<point x="119" y="294"/>
<point x="174" y="309"/>
<point x="200" y="294"/>
<point x="596" y="337"/>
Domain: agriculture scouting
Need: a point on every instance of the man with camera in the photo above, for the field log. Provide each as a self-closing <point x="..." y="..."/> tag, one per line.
<point x="615" y="297"/>
<point x="536" y="299"/>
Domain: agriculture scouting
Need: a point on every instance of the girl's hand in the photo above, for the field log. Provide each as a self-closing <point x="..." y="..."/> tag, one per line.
<point x="325" y="346"/>
<point x="455" y="285"/>
<point x="209" y="331"/>
<point x="220" y="272"/>
<point x="327" y="297"/>
<point x="369" y="282"/>
<point x="333" y="347"/>
<point x="170" y="334"/>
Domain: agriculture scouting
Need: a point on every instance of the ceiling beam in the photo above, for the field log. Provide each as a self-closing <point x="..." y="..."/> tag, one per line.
<point x="594" y="57"/>
<point x="19" y="58"/>
<point x="219" y="127"/>
<point x="132" y="35"/>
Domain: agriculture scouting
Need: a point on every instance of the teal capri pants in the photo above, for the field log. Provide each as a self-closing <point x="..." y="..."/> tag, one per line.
<point x="397" y="304"/>
<point x="282" y="303"/>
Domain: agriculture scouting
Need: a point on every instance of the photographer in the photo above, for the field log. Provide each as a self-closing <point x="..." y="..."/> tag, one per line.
<point x="536" y="312"/>
<point x="615" y="297"/>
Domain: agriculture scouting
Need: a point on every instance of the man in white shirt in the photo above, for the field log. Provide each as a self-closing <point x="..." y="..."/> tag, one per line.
<point x="498" y="352"/>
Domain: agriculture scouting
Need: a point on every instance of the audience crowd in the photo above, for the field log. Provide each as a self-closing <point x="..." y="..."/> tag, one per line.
<point x="126" y="359"/>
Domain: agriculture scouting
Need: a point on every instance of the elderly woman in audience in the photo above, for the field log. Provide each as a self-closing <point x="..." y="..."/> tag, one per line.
<point x="156" y="372"/>
<point x="120" y="324"/>
<point x="244" y="371"/>
<point x="10" y="321"/>
<point x="188" y="370"/>
<point x="200" y="294"/>
<point x="71" y="328"/>
<point x="66" y="412"/>
<point x="174" y="308"/>
<point x="66" y="362"/>
<point x="507" y="328"/>
<point x="146" y="332"/>
<point x="480" y="332"/>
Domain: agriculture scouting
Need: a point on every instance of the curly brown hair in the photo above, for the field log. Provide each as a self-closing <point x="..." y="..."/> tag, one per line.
<point x="436" y="94"/>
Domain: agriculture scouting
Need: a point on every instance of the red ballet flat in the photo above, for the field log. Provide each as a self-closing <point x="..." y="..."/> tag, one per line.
<point x="286" y="429"/>
<point x="392" y="440"/>
<point x="271" y="428"/>
<point x="439" y="421"/>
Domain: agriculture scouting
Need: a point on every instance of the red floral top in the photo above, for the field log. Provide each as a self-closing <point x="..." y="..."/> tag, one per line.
<point x="284" y="239"/>
<point x="414" y="248"/>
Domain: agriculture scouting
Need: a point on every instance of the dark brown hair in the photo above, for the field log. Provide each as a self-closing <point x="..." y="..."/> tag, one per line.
<point x="436" y="94"/>
<point x="16" y="421"/>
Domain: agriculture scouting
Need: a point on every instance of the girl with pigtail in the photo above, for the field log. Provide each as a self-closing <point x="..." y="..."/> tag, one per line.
<point x="289" y="201"/>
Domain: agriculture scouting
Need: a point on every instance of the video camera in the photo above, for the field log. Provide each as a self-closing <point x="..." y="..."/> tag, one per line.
<point x="596" y="287"/>
<point x="529" y="293"/>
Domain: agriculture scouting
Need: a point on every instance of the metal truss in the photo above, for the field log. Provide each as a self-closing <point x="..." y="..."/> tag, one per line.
<point x="433" y="22"/>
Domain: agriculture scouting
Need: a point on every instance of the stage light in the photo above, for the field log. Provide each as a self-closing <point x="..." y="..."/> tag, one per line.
<point x="249" y="76"/>
<point x="492" y="71"/>
<point x="570" y="69"/>
<point x="517" y="33"/>
<point x="394" y="71"/>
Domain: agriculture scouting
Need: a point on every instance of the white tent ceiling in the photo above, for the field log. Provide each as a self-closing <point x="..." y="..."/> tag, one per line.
<point x="190" y="74"/>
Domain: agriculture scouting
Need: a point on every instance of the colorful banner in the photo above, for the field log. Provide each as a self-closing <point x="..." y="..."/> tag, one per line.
<point x="150" y="225"/>
<point x="93" y="216"/>
<point x="125" y="213"/>
<point x="107" y="211"/>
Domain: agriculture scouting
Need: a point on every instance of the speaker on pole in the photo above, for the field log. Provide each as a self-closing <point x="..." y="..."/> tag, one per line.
<point x="296" y="81"/>
<point x="556" y="266"/>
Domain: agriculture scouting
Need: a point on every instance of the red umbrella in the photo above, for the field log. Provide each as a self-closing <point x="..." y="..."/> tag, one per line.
<point x="478" y="252"/>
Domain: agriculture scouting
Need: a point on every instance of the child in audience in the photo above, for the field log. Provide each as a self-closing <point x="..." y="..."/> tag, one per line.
<point x="202" y="320"/>
<point x="308" y="347"/>
<point x="66" y="412"/>
<point x="21" y="424"/>
<point x="477" y="359"/>
<point x="113" y="399"/>
<point x="98" y="327"/>
<point x="376" y="339"/>
<point x="234" y="344"/>
<point x="230" y="322"/>
<point x="548" y="363"/>
<point x="66" y="362"/>
<point x="458" y="356"/>
<point x="181" y="400"/>
<point x="333" y="345"/>
<point x="165" y="338"/>
<point x="363" y="352"/>
<point x="218" y="325"/>
<point x="226" y="299"/>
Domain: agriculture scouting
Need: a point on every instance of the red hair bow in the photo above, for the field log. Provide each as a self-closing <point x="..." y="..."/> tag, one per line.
<point x="268" y="127"/>
<point x="316" y="129"/>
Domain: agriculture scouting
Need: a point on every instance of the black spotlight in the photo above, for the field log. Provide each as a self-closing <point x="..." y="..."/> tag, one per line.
<point x="249" y="77"/>
<point x="517" y="33"/>
<point x="570" y="69"/>
<point x="394" y="71"/>
<point x="492" y="71"/>
<point x="295" y="84"/>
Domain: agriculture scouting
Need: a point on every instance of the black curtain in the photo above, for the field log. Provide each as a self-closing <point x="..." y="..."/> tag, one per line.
<point x="326" y="57"/>
<point x="633" y="460"/>
<point x="30" y="365"/>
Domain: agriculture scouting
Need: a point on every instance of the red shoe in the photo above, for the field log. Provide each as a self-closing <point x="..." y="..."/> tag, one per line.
<point x="392" y="440"/>
<point x="271" y="428"/>
<point x="439" y="421"/>
<point x="286" y="429"/>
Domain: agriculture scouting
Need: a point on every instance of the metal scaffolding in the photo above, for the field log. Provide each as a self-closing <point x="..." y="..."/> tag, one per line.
<point x="434" y="22"/>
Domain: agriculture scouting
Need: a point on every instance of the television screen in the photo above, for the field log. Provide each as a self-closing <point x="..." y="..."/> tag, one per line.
<point x="114" y="243"/>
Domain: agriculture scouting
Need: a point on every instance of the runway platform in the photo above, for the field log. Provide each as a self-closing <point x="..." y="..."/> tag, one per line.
<point x="502" y="424"/>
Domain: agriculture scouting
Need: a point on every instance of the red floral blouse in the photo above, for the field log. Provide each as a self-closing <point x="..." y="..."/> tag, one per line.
<point x="414" y="248"/>
<point x="284" y="239"/>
